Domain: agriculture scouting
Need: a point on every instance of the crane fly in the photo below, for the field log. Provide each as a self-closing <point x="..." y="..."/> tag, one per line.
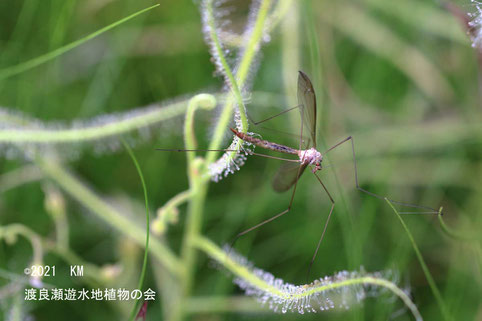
<point x="290" y="172"/>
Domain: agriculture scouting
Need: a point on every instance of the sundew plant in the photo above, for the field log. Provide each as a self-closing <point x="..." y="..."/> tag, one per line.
<point x="117" y="162"/>
<point x="476" y="25"/>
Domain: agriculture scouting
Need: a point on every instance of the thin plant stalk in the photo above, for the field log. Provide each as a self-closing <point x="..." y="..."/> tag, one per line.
<point x="146" y="249"/>
<point x="90" y="200"/>
<point x="431" y="282"/>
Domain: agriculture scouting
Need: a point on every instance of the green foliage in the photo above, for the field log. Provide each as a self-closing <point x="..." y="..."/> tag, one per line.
<point x="400" y="77"/>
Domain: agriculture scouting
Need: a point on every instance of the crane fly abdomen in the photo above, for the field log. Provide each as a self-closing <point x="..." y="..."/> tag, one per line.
<point x="265" y="144"/>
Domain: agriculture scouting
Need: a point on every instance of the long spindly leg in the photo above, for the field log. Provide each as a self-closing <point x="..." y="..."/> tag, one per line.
<point x="274" y="217"/>
<point x="428" y="210"/>
<point x="292" y="195"/>
<point x="256" y="123"/>
<point x="324" y="228"/>
<point x="300" y="168"/>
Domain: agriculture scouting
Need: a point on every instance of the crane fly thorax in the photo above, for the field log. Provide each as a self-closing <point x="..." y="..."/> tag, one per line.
<point x="311" y="157"/>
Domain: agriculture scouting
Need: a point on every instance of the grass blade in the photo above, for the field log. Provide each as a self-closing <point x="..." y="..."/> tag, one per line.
<point x="144" y="264"/>
<point x="27" y="65"/>
<point x="436" y="293"/>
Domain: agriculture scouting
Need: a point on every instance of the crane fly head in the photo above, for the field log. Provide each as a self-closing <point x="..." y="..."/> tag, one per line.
<point x="312" y="157"/>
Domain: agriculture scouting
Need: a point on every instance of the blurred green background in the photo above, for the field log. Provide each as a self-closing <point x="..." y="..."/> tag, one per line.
<point x="399" y="76"/>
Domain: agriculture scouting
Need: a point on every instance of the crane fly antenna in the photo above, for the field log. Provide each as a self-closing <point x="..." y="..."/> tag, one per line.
<point x="196" y="150"/>
<point x="227" y="150"/>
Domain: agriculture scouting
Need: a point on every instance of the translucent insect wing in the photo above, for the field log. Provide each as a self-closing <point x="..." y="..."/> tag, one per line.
<point x="287" y="176"/>
<point x="307" y="99"/>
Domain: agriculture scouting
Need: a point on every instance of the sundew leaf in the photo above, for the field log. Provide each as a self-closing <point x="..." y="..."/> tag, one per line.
<point x="237" y="78"/>
<point x="341" y="290"/>
<point x="21" y="134"/>
<point x="476" y="25"/>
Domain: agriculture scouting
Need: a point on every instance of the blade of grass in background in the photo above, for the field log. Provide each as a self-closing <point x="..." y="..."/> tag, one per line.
<point x="24" y="66"/>
<point x="146" y="249"/>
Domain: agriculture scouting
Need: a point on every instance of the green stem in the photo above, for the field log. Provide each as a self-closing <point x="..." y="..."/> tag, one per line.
<point x="177" y="200"/>
<point x="62" y="229"/>
<point x="193" y="228"/>
<point x="198" y="187"/>
<point x="426" y="271"/>
<point x="165" y="213"/>
<point x="94" y="203"/>
<point x="92" y="272"/>
<point x="54" y="204"/>
<point x="10" y="231"/>
<point x="18" y="177"/>
<point x="204" y="101"/>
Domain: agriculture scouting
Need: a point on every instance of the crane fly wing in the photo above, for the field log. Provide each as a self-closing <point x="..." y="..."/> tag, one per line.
<point x="307" y="99"/>
<point x="289" y="173"/>
<point x="287" y="176"/>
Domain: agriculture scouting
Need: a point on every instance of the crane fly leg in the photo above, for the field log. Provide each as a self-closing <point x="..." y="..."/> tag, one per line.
<point x="428" y="210"/>
<point x="324" y="228"/>
<point x="272" y="218"/>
